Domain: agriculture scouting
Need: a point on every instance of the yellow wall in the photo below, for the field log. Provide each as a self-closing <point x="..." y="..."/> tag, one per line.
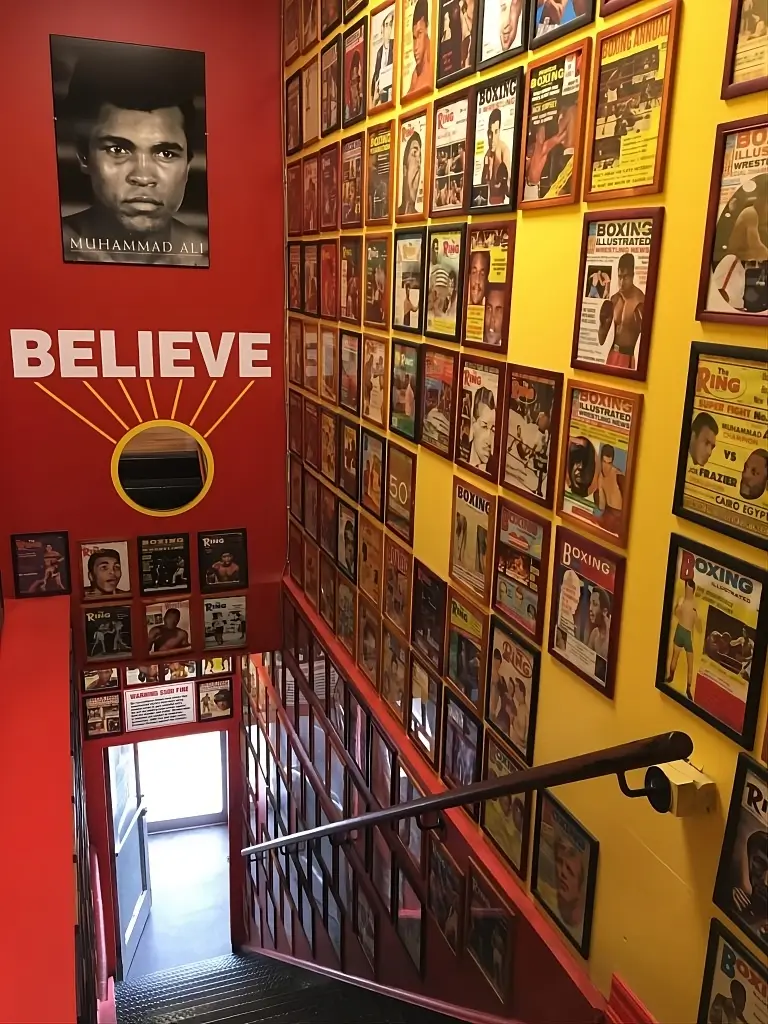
<point x="656" y="874"/>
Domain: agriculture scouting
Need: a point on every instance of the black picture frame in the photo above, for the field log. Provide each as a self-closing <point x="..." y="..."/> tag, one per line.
<point x="729" y="894"/>
<point x="404" y="234"/>
<point x="239" y="540"/>
<point x="350" y="571"/>
<point x="378" y="439"/>
<point x="104" y="701"/>
<point x="216" y="686"/>
<point x="524" y="747"/>
<point x="294" y="256"/>
<point x="722" y="568"/>
<point x="295" y="77"/>
<point x="434" y="683"/>
<point x="480" y="942"/>
<point x="485" y="95"/>
<point x="738" y="968"/>
<point x="396" y="418"/>
<point x="61" y="539"/>
<point x="409" y="923"/>
<point x="534" y="41"/>
<point x="380" y="747"/>
<point x="430" y="598"/>
<point x="589" y="872"/>
<point x="469" y="722"/>
<point x="328" y="26"/>
<point x="445" y="893"/>
<point x="349" y="485"/>
<point x="346" y="121"/>
<point x="448" y="67"/>
<point x="513" y="51"/>
<point x="520" y="804"/>
<point x="446" y="229"/>
<point x="353" y="406"/>
<point x="725" y="353"/>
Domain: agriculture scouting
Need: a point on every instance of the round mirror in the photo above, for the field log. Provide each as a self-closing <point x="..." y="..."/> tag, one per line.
<point x="162" y="467"/>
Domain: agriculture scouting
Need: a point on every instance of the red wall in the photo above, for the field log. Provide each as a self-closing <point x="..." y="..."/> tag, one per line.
<point x="56" y="473"/>
<point x="37" y="924"/>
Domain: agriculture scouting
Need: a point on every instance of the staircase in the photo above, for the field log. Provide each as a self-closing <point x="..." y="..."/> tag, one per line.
<point x="249" y="989"/>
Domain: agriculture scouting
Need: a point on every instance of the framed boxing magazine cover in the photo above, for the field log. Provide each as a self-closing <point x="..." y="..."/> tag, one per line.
<point x="310" y="254"/>
<point x="430" y="594"/>
<point x="562" y="844"/>
<point x="352" y="7"/>
<point x="745" y="69"/>
<point x="398" y="585"/>
<point x="330" y="87"/>
<point x="380" y="157"/>
<point x="417" y="48"/>
<point x="507" y="819"/>
<point x="585" y="612"/>
<point x="373" y="464"/>
<point x="714" y="634"/>
<point x="405" y="388"/>
<point x="410" y="250"/>
<point x="462" y="746"/>
<point x="108" y="631"/>
<point x="311" y="344"/>
<point x="41" y="564"/>
<point x="382" y="57"/>
<point x="414" y="147"/>
<point x="521" y="567"/>
<point x="104" y="678"/>
<point x="630" y="104"/>
<point x="438" y="400"/>
<point x="327" y="602"/>
<point x="310" y="24"/>
<point x="294" y="199"/>
<point x="734" y="983"/>
<point x="512" y="694"/>
<point x="350" y="278"/>
<point x="479" y="419"/>
<point x="311" y="505"/>
<point x="451" y="134"/>
<point x="425" y="695"/>
<point x="311" y="433"/>
<point x="445" y="281"/>
<point x="329" y="279"/>
<point x="374" y="385"/>
<point x="110" y="89"/>
<point x="296" y="553"/>
<point x="329" y="445"/>
<point x="296" y="488"/>
<point x="445" y="893"/>
<point x="597" y="462"/>
<point x="456" y="33"/>
<point x="369" y="641"/>
<point x="378" y="270"/>
<point x="369" y="559"/>
<point x="346" y="545"/>
<point x="722" y="469"/>
<point x="531" y="432"/>
<point x="497" y="121"/>
<point x="346" y="612"/>
<point x="740" y="883"/>
<point x="349" y="370"/>
<point x="553" y="128"/>
<point x="616" y="292"/>
<point x="295" y="261"/>
<point x="222" y="561"/>
<point x="614" y="6"/>
<point x="548" y="22"/>
<point x="349" y="458"/>
<point x="502" y="31"/>
<point x="354" y="55"/>
<point x="473" y="515"/>
<point x="352" y="176"/>
<point x="328" y="502"/>
<point x="733" y="286"/>
<point x="310" y="99"/>
<point x="330" y="16"/>
<point x="102" y="716"/>
<point x="394" y="673"/>
<point x="329" y="188"/>
<point x="466" y="646"/>
<point x="400" y="506"/>
<point x="488" y="285"/>
<point x="291" y="30"/>
<point x="293" y="111"/>
<point x="310" y="195"/>
<point x="329" y="364"/>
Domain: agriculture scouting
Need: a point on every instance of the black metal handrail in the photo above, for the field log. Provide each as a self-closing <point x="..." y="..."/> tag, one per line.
<point x="661" y="749"/>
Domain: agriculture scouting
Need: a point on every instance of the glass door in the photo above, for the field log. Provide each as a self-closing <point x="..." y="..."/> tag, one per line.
<point x="184" y="781"/>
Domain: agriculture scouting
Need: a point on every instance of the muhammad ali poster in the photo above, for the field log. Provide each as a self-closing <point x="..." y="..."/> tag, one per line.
<point x="223" y="560"/>
<point x="131" y="152"/>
